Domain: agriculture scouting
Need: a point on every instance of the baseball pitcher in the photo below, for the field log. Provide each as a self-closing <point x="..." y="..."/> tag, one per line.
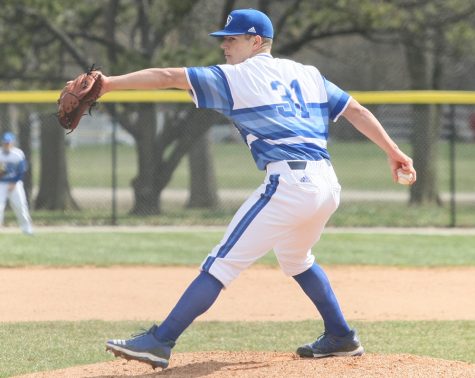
<point x="283" y="111"/>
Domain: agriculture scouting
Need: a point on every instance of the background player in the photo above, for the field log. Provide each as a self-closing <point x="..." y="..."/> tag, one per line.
<point x="13" y="166"/>
<point x="282" y="110"/>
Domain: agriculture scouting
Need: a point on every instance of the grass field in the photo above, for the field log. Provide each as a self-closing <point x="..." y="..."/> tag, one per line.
<point x="359" y="165"/>
<point x="189" y="248"/>
<point x="51" y="345"/>
<point x="349" y="214"/>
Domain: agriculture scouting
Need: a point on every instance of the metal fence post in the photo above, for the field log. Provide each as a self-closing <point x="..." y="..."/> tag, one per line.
<point x="453" y="141"/>
<point x="114" y="172"/>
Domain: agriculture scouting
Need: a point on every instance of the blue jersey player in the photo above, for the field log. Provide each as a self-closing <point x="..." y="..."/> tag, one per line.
<point x="282" y="110"/>
<point x="13" y="166"/>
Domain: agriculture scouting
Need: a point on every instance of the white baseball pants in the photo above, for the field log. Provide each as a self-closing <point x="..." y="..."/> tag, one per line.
<point x="287" y="213"/>
<point x="19" y="204"/>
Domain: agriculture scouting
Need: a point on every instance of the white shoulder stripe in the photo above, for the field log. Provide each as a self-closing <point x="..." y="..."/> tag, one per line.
<point x="250" y="138"/>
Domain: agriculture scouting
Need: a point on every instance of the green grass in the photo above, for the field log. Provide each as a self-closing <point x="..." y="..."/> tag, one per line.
<point x="393" y="214"/>
<point x="359" y="165"/>
<point x="63" y="344"/>
<point x="191" y="247"/>
<point x="349" y="214"/>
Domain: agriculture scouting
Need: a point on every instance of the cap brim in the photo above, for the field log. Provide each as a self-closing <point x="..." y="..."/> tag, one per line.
<point x="223" y="33"/>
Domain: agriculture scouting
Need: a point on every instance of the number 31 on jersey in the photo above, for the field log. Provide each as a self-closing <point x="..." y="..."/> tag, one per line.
<point x="291" y="108"/>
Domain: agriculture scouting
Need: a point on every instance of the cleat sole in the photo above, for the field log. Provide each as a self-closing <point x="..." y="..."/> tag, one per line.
<point x="308" y="353"/>
<point x="128" y="357"/>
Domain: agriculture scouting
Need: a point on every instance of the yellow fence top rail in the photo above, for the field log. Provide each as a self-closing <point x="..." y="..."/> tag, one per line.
<point x="37" y="97"/>
<point x="415" y="97"/>
<point x="179" y="96"/>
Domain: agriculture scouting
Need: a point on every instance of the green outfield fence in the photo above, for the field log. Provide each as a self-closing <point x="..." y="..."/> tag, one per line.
<point x="101" y="160"/>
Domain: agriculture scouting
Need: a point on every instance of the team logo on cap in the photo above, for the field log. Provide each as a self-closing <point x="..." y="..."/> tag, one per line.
<point x="228" y="21"/>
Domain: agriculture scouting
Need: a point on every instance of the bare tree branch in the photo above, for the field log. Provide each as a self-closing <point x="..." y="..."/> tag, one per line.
<point x="282" y="20"/>
<point x="67" y="42"/>
<point x="307" y="36"/>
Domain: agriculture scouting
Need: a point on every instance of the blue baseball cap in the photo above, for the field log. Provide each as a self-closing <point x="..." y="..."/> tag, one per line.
<point x="8" y="137"/>
<point x="247" y="21"/>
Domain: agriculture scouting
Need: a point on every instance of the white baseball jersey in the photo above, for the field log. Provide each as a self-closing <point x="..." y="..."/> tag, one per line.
<point x="14" y="164"/>
<point x="282" y="110"/>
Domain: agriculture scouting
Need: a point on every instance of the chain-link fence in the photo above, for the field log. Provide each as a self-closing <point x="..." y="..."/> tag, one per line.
<point x="173" y="164"/>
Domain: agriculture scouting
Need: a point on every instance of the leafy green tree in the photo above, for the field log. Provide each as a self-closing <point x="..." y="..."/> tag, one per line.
<point x="25" y="63"/>
<point x="45" y="41"/>
<point x="434" y="35"/>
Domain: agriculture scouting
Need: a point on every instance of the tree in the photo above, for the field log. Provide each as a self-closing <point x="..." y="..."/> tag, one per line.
<point x="24" y="137"/>
<point x="22" y="54"/>
<point x="54" y="191"/>
<point x="427" y="46"/>
<point x="203" y="186"/>
<point x="431" y="33"/>
<point x="125" y="35"/>
<point x="147" y="26"/>
<point x="426" y="30"/>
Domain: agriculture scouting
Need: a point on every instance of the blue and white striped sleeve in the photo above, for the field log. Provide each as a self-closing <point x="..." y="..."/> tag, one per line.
<point x="210" y="88"/>
<point x="338" y="100"/>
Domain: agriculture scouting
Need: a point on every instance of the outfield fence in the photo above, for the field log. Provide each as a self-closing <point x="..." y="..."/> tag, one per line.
<point x="102" y="160"/>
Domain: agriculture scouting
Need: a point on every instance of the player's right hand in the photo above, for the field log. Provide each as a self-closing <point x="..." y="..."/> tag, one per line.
<point x="403" y="162"/>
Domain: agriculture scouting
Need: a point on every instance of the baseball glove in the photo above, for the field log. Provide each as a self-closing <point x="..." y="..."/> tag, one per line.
<point x="77" y="97"/>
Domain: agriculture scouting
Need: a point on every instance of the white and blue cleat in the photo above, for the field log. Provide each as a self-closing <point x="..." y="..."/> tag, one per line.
<point x="144" y="347"/>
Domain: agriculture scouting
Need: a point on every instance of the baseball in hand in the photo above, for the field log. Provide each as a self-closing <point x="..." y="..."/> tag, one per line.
<point x="404" y="178"/>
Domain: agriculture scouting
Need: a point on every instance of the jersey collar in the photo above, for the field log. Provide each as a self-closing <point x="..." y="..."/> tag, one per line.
<point x="266" y="55"/>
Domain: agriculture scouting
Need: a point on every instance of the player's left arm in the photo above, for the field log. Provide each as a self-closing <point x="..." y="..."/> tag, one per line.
<point x="147" y="79"/>
<point x="19" y="169"/>
<point x="366" y="123"/>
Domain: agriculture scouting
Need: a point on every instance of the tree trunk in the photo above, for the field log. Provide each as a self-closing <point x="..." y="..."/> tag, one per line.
<point x="146" y="200"/>
<point x="176" y="140"/>
<point x="203" y="188"/>
<point x="54" y="191"/>
<point x="426" y="120"/>
<point x="24" y="143"/>
<point x="425" y="146"/>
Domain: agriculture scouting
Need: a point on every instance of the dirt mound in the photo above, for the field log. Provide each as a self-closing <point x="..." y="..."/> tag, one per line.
<point x="268" y="364"/>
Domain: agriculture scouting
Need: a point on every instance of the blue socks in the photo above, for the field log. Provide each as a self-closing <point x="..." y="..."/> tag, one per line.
<point x="204" y="290"/>
<point x="196" y="300"/>
<point x="315" y="284"/>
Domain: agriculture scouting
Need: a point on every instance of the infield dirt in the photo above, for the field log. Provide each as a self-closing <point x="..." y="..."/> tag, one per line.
<point x="365" y="293"/>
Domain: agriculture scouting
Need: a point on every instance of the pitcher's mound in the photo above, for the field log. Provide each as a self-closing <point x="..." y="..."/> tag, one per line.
<point x="269" y="364"/>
